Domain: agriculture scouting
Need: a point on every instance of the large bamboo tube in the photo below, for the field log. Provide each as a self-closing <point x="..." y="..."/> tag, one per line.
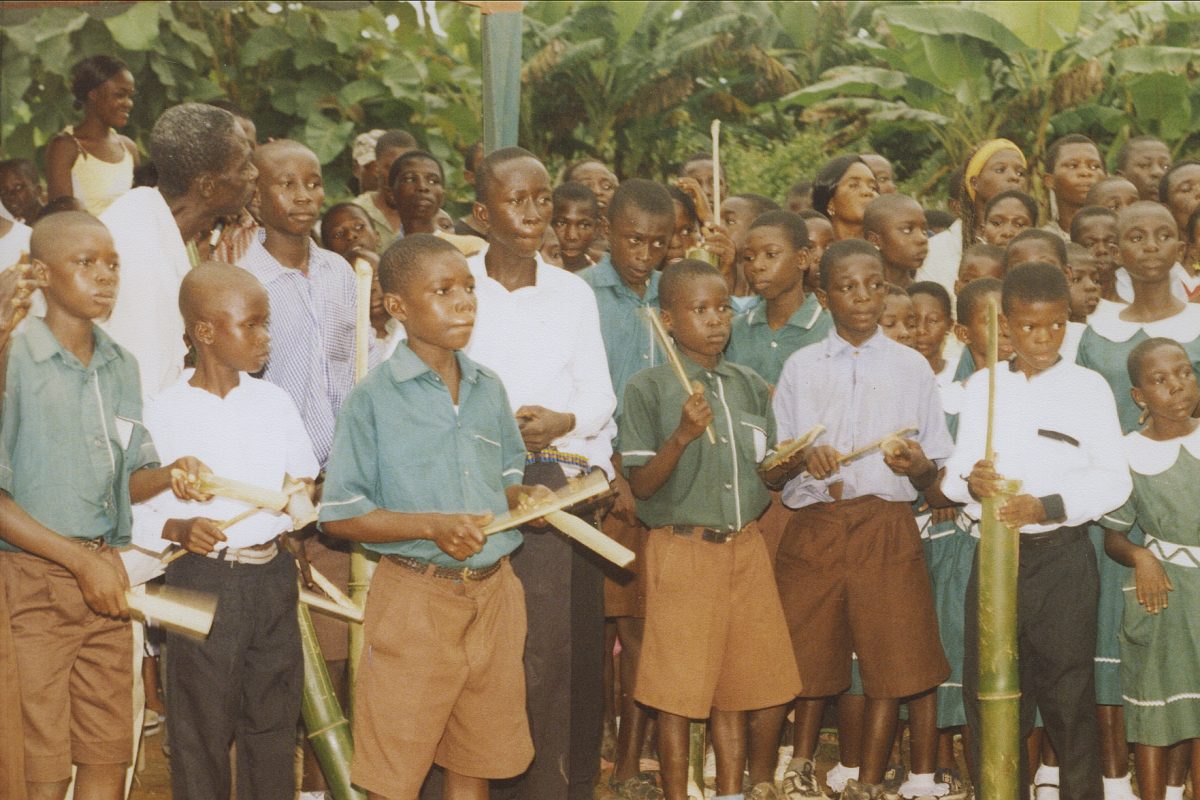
<point x="999" y="682"/>
<point x="324" y="723"/>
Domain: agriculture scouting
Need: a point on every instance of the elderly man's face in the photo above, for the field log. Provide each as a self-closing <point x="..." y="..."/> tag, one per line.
<point x="234" y="186"/>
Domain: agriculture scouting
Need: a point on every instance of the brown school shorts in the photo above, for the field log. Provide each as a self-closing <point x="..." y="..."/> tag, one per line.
<point x="773" y="523"/>
<point x="852" y="578"/>
<point x="715" y="633"/>
<point x="441" y="681"/>
<point x="75" y="671"/>
<point x="625" y="588"/>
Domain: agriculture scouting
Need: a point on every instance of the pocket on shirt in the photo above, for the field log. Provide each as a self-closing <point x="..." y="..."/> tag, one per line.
<point x="487" y="458"/>
<point x="750" y="431"/>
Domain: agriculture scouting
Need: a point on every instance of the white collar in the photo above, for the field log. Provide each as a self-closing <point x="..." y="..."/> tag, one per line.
<point x="1149" y="457"/>
<point x="1183" y="327"/>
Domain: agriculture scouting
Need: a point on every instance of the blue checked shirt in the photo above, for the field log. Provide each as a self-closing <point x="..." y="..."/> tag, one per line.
<point x="312" y="334"/>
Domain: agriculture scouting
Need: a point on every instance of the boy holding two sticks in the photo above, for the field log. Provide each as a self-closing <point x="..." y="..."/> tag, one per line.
<point x="73" y="456"/>
<point x="426" y="450"/>
<point x="243" y="683"/>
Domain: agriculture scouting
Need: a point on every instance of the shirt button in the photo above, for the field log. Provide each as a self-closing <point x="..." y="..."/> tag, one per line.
<point x="724" y="440"/>
<point x="99" y="442"/>
<point x="774" y="344"/>
<point x="729" y="486"/>
<point x="645" y="357"/>
<point x="466" y="472"/>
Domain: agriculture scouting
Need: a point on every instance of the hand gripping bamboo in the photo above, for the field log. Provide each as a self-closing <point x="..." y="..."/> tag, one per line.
<point x="668" y="347"/>
<point x="999" y="682"/>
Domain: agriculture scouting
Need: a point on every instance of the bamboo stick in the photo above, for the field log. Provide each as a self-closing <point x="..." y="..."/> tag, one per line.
<point x="715" y="128"/>
<point x="207" y="483"/>
<point x="591" y="537"/>
<point x="576" y="491"/>
<point x="324" y="723"/>
<point x="789" y="449"/>
<point x="999" y="680"/>
<point x="229" y="523"/>
<point x="361" y="566"/>
<point x="668" y="346"/>
<point x="182" y="610"/>
<point x="348" y="612"/>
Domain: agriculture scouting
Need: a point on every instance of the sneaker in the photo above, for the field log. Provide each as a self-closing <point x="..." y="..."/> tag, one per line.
<point x="639" y="787"/>
<point x="861" y="791"/>
<point x="800" y="781"/>
<point x="837" y="776"/>
<point x="764" y="791"/>
<point x="955" y="788"/>
<point x="893" y="779"/>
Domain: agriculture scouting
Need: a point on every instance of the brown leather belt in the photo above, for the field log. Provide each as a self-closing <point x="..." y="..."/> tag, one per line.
<point x="461" y="574"/>
<point x="706" y="534"/>
<point x="90" y="544"/>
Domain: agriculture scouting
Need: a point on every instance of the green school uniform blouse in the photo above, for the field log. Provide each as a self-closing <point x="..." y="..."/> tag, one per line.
<point x="628" y="338"/>
<point x="71" y="435"/>
<point x="714" y="485"/>
<point x="400" y="444"/>
<point x="753" y="344"/>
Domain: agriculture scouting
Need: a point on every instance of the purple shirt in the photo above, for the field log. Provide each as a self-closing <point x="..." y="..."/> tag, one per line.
<point x="860" y="394"/>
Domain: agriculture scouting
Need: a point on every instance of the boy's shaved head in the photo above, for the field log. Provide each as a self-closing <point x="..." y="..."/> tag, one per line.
<point x="1127" y="214"/>
<point x="206" y="288"/>
<point x="840" y="251"/>
<point x="1035" y="282"/>
<point x="971" y="298"/>
<point x="265" y="152"/>
<point x="487" y="168"/>
<point x="883" y="207"/>
<point x="678" y="275"/>
<point x="1052" y="240"/>
<point x="405" y="258"/>
<point x="52" y="233"/>
<point x="644" y="195"/>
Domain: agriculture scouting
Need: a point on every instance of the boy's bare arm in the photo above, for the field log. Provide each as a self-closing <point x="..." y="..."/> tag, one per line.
<point x="906" y="457"/>
<point x="693" y="421"/>
<point x="102" y="581"/>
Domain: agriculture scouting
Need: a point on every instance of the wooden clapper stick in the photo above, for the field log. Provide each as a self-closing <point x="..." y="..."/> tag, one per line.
<point x="587" y="535"/>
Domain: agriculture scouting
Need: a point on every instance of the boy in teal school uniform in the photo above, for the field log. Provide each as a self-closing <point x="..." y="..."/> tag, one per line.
<point x="73" y="456"/>
<point x="641" y="222"/>
<point x="426" y="450"/>
<point x="715" y="643"/>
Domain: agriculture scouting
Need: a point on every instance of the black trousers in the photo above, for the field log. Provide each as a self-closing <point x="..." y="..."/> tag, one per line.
<point x="564" y="661"/>
<point x="1058" y="589"/>
<point x="240" y="685"/>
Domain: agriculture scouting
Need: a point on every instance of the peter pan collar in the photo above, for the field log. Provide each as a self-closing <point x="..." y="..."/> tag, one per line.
<point x="1149" y="457"/>
<point x="1183" y="327"/>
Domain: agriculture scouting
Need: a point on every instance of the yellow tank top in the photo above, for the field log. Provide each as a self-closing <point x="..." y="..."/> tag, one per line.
<point x="97" y="183"/>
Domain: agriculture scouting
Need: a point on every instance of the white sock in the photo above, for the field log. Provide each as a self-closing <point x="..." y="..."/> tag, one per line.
<point x="1046" y="774"/>
<point x="313" y="796"/>
<point x="923" y="785"/>
<point x="730" y="797"/>
<point x="1118" y="788"/>
<point x="1174" y="793"/>
<point x="836" y="778"/>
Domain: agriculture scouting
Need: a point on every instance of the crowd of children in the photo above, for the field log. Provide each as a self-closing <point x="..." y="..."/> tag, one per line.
<point x="511" y="351"/>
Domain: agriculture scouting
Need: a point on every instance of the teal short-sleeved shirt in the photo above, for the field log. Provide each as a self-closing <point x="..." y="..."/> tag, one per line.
<point x="714" y="485"/>
<point x="400" y="444"/>
<point x="753" y="344"/>
<point x="71" y="435"/>
<point x="628" y="338"/>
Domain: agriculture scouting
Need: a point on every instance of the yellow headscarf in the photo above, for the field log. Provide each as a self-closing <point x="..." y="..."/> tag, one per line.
<point x="980" y="158"/>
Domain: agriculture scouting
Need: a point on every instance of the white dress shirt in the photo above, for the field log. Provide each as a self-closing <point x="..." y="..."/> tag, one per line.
<point x="544" y="342"/>
<point x="860" y="394"/>
<point x="253" y="434"/>
<point x="146" y="319"/>
<point x="1056" y="432"/>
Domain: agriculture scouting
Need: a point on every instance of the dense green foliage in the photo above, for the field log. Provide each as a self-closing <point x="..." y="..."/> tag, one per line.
<point x="637" y="82"/>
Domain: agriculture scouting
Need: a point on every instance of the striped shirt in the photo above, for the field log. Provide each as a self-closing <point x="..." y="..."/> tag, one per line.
<point x="312" y="334"/>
